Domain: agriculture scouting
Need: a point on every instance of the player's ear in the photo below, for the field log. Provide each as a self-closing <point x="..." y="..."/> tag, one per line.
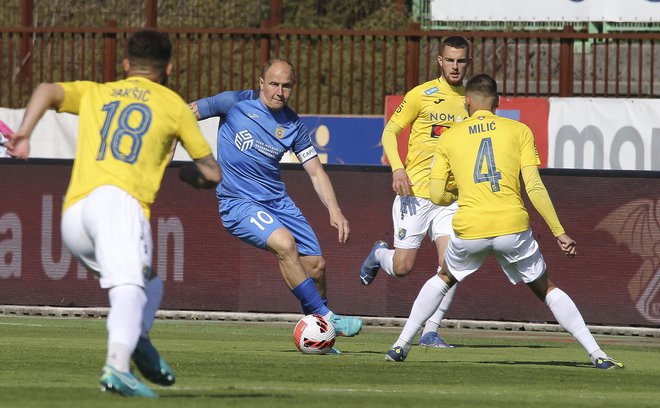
<point x="496" y="102"/>
<point x="168" y="70"/>
<point x="439" y="59"/>
<point x="261" y="83"/>
<point x="126" y="65"/>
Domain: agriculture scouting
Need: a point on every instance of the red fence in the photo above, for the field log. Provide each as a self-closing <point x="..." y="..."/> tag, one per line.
<point x="614" y="280"/>
<point x="339" y="71"/>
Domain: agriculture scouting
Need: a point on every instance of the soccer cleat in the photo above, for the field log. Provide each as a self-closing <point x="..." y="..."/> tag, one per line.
<point x="370" y="266"/>
<point x="605" y="363"/>
<point x="347" y="326"/>
<point x="396" y="354"/>
<point x="124" y="384"/>
<point x="151" y="364"/>
<point x="431" y="339"/>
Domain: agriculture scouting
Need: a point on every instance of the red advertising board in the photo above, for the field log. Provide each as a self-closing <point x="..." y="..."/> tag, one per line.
<point x="614" y="280"/>
<point x="531" y="111"/>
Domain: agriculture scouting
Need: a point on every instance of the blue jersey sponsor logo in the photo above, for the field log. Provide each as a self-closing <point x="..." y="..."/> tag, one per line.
<point x="431" y="91"/>
<point x="243" y="140"/>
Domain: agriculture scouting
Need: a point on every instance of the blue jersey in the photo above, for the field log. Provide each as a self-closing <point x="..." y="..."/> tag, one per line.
<point x="251" y="142"/>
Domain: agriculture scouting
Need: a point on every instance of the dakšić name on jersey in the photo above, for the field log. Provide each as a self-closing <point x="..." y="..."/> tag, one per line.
<point x="133" y="93"/>
<point x="481" y="127"/>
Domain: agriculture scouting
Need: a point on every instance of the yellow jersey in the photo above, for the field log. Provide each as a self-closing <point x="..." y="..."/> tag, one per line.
<point x="125" y="133"/>
<point x="486" y="153"/>
<point x="431" y="108"/>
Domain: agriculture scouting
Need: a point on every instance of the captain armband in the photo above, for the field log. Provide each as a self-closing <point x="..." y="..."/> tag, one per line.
<point x="306" y="154"/>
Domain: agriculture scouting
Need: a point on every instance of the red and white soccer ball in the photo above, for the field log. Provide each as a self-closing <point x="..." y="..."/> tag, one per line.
<point x="314" y="335"/>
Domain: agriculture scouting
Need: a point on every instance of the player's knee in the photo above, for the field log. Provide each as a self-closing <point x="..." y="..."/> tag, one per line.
<point x="283" y="244"/>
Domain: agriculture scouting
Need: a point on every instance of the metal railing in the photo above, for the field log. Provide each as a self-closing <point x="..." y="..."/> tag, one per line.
<point x="339" y="71"/>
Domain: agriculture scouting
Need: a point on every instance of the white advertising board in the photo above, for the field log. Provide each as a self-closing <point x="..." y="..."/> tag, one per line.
<point x="604" y="134"/>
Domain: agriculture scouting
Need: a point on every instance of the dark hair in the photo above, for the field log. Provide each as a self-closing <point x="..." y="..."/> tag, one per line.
<point x="150" y="48"/>
<point x="482" y="85"/>
<point x="455" y="41"/>
<point x="271" y="61"/>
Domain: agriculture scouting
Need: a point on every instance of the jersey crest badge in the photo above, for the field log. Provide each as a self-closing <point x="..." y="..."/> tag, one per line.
<point x="402" y="233"/>
<point x="279" y="132"/>
<point x="431" y="91"/>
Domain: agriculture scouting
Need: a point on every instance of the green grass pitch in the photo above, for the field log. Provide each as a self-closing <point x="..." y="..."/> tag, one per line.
<point x="47" y="362"/>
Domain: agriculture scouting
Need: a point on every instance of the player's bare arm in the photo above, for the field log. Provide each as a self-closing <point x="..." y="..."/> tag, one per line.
<point x="204" y="174"/>
<point x="46" y="96"/>
<point x="195" y="110"/>
<point x="326" y="193"/>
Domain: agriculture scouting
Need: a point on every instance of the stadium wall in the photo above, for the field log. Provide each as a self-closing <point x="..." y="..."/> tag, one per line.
<point x="614" y="280"/>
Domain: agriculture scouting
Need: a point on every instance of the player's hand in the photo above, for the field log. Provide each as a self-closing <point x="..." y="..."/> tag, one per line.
<point x="567" y="245"/>
<point x="401" y="183"/>
<point x="340" y="222"/>
<point x="18" y="146"/>
<point x="191" y="175"/>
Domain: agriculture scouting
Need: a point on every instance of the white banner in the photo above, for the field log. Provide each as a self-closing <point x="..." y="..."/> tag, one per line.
<point x="604" y="134"/>
<point x="55" y="135"/>
<point x="640" y="11"/>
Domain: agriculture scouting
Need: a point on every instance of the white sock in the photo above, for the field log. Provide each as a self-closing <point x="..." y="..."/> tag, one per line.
<point x="569" y="317"/>
<point x="385" y="258"/>
<point x="124" y="324"/>
<point x="427" y="302"/>
<point x="433" y="324"/>
<point x="154" y="291"/>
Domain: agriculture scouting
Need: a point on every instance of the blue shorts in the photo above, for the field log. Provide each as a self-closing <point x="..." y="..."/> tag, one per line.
<point x="253" y="222"/>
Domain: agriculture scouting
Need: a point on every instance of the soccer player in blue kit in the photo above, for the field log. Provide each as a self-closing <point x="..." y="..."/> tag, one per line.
<point x="256" y="129"/>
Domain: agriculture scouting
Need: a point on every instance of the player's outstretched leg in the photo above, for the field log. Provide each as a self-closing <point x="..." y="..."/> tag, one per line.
<point x="124" y="383"/>
<point x="151" y="364"/>
<point x="569" y="317"/>
<point x="347" y="326"/>
<point x="370" y="266"/>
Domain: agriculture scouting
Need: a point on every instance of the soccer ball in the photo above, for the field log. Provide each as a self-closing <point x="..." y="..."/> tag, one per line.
<point x="314" y="335"/>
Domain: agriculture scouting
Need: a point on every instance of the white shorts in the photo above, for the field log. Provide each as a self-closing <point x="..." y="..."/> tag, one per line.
<point x="415" y="217"/>
<point x="108" y="232"/>
<point x="518" y="255"/>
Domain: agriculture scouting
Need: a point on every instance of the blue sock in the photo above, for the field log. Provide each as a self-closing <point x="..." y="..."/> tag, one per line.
<point x="309" y="298"/>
